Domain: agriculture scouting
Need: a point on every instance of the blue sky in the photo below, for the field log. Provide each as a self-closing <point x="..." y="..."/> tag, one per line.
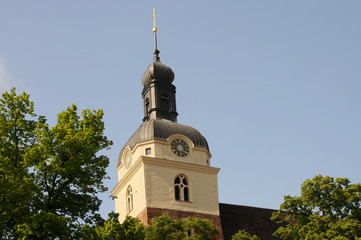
<point x="274" y="86"/>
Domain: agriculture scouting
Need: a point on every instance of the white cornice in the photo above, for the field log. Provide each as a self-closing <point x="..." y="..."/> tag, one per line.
<point x="127" y="176"/>
<point x="181" y="165"/>
<point x="167" y="143"/>
<point x="142" y="160"/>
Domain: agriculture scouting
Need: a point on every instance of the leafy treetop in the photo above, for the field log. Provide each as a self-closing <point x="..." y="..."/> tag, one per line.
<point x="243" y="235"/>
<point x="162" y="227"/>
<point x="328" y="208"/>
<point x="49" y="176"/>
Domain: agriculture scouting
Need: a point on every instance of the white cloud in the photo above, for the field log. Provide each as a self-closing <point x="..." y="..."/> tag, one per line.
<point x="4" y="77"/>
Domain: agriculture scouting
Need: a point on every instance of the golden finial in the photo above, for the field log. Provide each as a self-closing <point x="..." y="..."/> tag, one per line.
<point x="155" y="30"/>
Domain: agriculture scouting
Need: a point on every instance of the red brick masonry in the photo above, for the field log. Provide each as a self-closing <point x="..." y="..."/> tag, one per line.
<point x="148" y="213"/>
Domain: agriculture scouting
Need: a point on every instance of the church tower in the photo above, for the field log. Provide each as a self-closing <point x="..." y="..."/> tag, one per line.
<point x="165" y="166"/>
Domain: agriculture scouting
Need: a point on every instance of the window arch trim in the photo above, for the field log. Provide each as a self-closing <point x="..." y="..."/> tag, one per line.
<point x="129" y="200"/>
<point x="182" y="188"/>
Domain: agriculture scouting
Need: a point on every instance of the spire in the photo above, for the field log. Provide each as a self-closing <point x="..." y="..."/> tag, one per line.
<point x="158" y="92"/>
<point x="155" y="30"/>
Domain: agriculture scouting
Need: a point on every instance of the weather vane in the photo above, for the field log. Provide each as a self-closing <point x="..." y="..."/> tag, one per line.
<point x="155" y="30"/>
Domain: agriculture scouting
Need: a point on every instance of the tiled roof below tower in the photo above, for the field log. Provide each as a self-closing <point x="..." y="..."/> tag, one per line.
<point x="252" y="219"/>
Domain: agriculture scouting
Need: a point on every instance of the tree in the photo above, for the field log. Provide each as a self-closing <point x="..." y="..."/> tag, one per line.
<point x="49" y="176"/>
<point x="130" y="229"/>
<point x="243" y="235"/>
<point x="17" y="134"/>
<point x="328" y="208"/>
<point x="164" y="227"/>
<point x="199" y="228"/>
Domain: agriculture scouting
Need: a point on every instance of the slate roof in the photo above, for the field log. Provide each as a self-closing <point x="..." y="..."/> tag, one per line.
<point x="252" y="219"/>
<point x="162" y="129"/>
<point x="159" y="72"/>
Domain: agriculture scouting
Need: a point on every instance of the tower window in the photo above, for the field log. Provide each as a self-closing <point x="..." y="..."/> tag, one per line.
<point x="181" y="188"/>
<point x="148" y="151"/>
<point x="146" y="103"/>
<point x="164" y="102"/>
<point x="129" y="199"/>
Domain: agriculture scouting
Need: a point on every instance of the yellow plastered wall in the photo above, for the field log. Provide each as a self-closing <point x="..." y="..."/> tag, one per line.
<point x="136" y="180"/>
<point x="160" y="187"/>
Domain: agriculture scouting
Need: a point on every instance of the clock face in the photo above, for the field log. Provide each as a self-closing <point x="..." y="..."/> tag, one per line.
<point x="179" y="147"/>
<point x="128" y="160"/>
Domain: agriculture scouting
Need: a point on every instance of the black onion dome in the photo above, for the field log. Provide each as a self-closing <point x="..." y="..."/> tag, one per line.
<point x="161" y="129"/>
<point x="159" y="72"/>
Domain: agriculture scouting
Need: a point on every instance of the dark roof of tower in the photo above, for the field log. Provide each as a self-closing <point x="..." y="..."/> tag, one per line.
<point x="162" y="129"/>
<point x="158" y="71"/>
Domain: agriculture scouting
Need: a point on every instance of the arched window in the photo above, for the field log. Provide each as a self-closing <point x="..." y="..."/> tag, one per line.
<point x="181" y="188"/>
<point x="129" y="199"/>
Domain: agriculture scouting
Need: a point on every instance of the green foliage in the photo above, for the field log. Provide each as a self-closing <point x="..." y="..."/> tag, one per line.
<point x="328" y="208"/>
<point x="130" y="229"/>
<point x="49" y="176"/>
<point x="164" y="227"/>
<point x="199" y="228"/>
<point x="243" y="235"/>
<point x="16" y="182"/>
